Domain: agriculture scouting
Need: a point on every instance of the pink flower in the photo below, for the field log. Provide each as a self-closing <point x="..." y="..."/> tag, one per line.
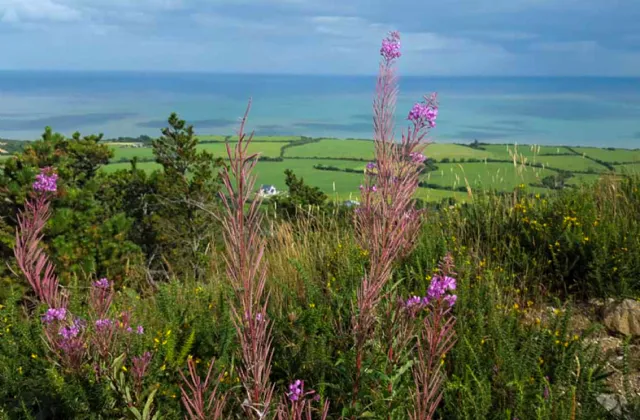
<point x="46" y="181"/>
<point x="103" y="283"/>
<point x="390" y="49"/>
<point x="54" y="314"/>
<point x="140" y="330"/>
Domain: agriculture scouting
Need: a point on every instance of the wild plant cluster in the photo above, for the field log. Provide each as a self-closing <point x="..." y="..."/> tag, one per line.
<point x="388" y="311"/>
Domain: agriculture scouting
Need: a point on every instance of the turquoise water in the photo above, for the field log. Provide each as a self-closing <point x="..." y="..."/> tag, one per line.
<point x="573" y="111"/>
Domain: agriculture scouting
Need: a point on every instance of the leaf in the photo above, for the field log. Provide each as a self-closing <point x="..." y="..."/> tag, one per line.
<point x="147" y="407"/>
<point x="136" y="413"/>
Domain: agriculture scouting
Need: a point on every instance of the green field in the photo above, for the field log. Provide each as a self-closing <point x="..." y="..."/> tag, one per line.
<point x="269" y="149"/>
<point x="499" y="176"/>
<point x="569" y="163"/>
<point x="628" y="168"/>
<point x="363" y="149"/>
<point x="353" y="154"/>
<point x="506" y="151"/>
<point x="606" y="155"/>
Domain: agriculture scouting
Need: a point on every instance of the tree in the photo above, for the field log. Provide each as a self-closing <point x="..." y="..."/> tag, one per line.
<point x="185" y="194"/>
<point x="300" y="195"/>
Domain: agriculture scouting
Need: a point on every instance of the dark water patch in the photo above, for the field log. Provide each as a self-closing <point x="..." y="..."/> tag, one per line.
<point x="565" y="110"/>
<point x="62" y="122"/>
<point x="479" y="135"/>
<point x="354" y="127"/>
<point x="197" y="124"/>
<point x="512" y="123"/>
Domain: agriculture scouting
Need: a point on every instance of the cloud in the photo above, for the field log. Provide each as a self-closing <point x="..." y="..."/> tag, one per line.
<point x="17" y="11"/>
<point x="457" y="37"/>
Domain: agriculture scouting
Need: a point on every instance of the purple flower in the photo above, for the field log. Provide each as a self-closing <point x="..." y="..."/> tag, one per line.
<point x="129" y="329"/>
<point x="140" y="330"/>
<point x="296" y="389"/>
<point x="390" y="49"/>
<point x="439" y="286"/>
<point x="423" y="114"/>
<point x="451" y="299"/>
<point x="53" y="314"/>
<point x="414" y="301"/>
<point x="103" y="283"/>
<point x="71" y="332"/>
<point x="46" y="180"/>
<point x="374" y="189"/>
<point x="103" y="324"/>
<point x="371" y="166"/>
<point x="417" y="157"/>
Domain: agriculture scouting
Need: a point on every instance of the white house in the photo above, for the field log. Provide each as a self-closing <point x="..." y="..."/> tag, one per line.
<point x="267" y="191"/>
<point x="351" y="203"/>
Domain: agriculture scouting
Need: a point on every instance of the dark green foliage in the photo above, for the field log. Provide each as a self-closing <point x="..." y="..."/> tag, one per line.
<point x="300" y="197"/>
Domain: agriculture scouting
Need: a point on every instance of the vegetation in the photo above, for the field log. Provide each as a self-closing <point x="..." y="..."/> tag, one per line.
<point x="172" y="291"/>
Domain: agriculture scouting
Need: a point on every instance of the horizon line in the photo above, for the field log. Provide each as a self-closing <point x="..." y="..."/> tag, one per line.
<point x="371" y="75"/>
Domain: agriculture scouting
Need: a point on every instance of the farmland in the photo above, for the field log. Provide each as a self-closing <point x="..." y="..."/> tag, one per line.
<point x="480" y="166"/>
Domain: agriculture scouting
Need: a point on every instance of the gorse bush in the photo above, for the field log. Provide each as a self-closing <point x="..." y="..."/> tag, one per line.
<point x="180" y="295"/>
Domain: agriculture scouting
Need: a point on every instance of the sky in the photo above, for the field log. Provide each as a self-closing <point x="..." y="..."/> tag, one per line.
<point x="449" y="38"/>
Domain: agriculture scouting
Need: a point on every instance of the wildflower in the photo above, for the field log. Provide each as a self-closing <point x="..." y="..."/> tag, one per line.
<point x="103" y="324"/>
<point x="54" y="314"/>
<point x="451" y="299"/>
<point x="70" y="332"/>
<point x="516" y="306"/>
<point x="103" y="283"/>
<point x="34" y="356"/>
<point x="312" y="305"/>
<point x="390" y="49"/>
<point x="140" y="330"/>
<point x="413" y="302"/>
<point x="538" y="321"/>
<point x="46" y="181"/>
<point x="295" y="390"/>
<point x="423" y="114"/>
<point x="371" y="166"/>
<point x="417" y="157"/>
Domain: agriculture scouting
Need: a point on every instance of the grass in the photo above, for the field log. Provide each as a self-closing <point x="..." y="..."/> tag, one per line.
<point x="628" y="168"/>
<point x="500" y="176"/>
<point x="363" y="149"/>
<point x="337" y="152"/>
<point x="606" y="155"/>
<point x="505" y="151"/>
<point x="269" y="149"/>
<point x="570" y="163"/>
<point x="146" y="166"/>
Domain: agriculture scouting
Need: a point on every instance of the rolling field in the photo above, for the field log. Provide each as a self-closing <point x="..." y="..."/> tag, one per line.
<point x="605" y="155"/>
<point x="363" y="149"/>
<point x="499" y="176"/>
<point x="506" y="151"/>
<point x="353" y="154"/>
<point x="628" y="168"/>
<point x="570" y="163"/>
<point x="269" y="149"/>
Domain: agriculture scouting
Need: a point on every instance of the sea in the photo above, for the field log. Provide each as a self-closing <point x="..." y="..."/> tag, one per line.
<point x="587" y="111"/>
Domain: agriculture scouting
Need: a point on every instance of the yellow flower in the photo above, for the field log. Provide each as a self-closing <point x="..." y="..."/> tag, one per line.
<point x="312" y="305"/>
<point x="173" y="395"/>
<point x="575" y="338"/>
<point x="538" y="321"/>
<point x="482" y="341"/>
<point x="529" y="303"/>
<point x="557" y="333"/>
<point x="156" y="341"/>
<point x="566" y="344"/>
<point x="516" y="306"/>
<point x="168" y="333"/>
<point x="210" y="305"/>
<point x="124" y="368"/>
<point x="557" y="341"/>
<point x="540" y="360"/>
<point x="34" y="356"/>
<point x="20" y="370"/>
<point x="163" y="367"/>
